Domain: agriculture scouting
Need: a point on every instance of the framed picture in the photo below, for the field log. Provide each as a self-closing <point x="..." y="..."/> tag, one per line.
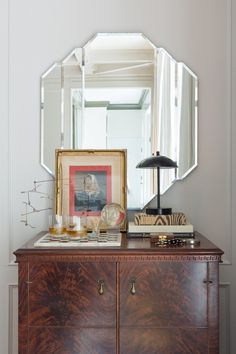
<point x="87" y="180"/>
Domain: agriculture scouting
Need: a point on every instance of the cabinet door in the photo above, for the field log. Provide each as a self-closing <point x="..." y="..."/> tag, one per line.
<point x="163" y="307"/>
<point x="69" y="312"/>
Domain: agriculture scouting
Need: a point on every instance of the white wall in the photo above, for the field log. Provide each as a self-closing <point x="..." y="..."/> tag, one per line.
<point x="34" y="34"/>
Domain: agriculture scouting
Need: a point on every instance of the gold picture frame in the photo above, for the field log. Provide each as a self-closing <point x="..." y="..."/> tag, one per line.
<point x="103" y="171"/>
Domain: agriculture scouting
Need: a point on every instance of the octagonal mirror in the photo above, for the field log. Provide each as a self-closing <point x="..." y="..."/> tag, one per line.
<point x="120" y="91"/>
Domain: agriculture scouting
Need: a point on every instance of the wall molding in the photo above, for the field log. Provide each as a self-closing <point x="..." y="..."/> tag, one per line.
<point x="12" y="319"/>
<point x="224" y="290"/>
<point x="10" y="139"/>
<point x="229" y="118"/>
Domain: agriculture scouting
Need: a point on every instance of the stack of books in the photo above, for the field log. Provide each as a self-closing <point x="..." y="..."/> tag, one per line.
<point x="175" y="223"/>
<point x="185" y="230"/>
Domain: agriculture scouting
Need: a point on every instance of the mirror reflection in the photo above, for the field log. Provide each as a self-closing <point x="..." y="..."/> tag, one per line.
<point x="120" y="91"/>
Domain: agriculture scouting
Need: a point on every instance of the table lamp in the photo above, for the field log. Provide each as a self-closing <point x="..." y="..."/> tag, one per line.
<point x="157" y="161"/>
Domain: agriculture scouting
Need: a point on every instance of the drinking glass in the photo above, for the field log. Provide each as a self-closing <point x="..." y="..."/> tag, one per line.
<point x="55" y="225"/>
<point x="75" y="226"/>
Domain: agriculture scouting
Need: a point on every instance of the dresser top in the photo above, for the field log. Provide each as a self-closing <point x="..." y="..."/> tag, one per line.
<point x="130" y="246"/>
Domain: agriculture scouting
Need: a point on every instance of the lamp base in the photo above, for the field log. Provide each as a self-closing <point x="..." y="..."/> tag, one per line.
<point x="159" y="211"/>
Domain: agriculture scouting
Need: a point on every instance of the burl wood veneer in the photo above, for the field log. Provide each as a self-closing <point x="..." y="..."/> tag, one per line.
<point x="133" y="299"/>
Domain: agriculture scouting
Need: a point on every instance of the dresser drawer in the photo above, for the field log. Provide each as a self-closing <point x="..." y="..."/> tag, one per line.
<point x="163" y="341"/>
<point x="67" y="340"/>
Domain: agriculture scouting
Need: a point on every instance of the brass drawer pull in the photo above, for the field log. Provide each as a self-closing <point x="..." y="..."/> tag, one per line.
<point x="100" y="287"/>
<point x="133" y="290"/>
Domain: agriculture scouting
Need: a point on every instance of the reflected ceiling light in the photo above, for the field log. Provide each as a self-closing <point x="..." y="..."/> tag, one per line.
<point x="157" y="161"/>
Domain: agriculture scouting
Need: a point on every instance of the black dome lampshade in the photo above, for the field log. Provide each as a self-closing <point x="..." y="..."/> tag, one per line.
<point x="157" y="161"/>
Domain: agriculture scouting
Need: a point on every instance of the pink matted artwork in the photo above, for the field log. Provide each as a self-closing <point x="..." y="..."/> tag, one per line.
<point x="89" y="189"/>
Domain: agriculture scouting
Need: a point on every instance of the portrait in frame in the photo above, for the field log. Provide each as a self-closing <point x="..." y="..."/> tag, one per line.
<point x="87" y="180"/>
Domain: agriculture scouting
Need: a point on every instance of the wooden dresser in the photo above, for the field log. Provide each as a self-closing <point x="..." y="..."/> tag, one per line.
<point x="133" y="299"/>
